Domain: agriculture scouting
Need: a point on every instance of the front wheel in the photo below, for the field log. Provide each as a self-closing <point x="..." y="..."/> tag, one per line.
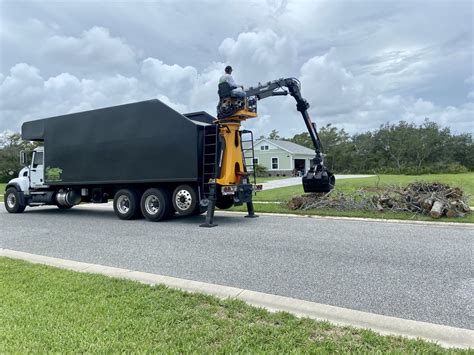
<point x="13" y="202"/>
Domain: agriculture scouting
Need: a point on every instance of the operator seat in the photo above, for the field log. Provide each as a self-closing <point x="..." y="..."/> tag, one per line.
<point x="229" y="103"/>
<point x="224" y="90"/>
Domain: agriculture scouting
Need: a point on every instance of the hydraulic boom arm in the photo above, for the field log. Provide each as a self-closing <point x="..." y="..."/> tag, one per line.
<point x="318" y="178"/>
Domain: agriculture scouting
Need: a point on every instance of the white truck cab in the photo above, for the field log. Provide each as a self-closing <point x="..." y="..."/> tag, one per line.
<point x="36" y="168"/>
<point x="30" y="181"/>
<point x="32" y="175"/>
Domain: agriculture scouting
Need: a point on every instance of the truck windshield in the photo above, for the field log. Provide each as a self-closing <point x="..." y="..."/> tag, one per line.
<point x="38" y="160"/>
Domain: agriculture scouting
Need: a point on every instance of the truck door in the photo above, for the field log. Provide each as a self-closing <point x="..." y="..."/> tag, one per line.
<point x="37" y="170"/>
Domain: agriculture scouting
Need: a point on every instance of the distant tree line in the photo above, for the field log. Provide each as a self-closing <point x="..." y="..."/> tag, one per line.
<point x="401" y="148"/>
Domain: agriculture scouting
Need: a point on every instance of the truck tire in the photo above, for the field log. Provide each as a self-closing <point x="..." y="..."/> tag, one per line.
<point x="225" y="202"/>
<point x="13" y="201"/>
<point x="155" y="205"/>
<point x="185" y="200"/>
<point x="62" y="207"/>
<point x="127" y="204"/>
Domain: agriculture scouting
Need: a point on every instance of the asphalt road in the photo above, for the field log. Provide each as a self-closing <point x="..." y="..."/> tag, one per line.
<point x="413" y="271"/>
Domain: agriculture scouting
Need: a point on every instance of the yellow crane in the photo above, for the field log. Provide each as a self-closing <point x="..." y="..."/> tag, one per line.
<point x="233" y="174"/>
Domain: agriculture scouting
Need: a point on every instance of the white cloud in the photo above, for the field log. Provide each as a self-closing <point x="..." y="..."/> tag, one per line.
<point x="26" y="95"/>
<point x="261" y="55"/>
<point x="22" y="87"/>
<point x="330" y="87"/>
<point x="171" y="80"/>
<point x="96" y="46"/>
<point x="360" y="65"/>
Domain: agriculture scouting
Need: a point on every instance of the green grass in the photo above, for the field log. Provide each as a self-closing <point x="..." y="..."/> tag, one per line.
<point x="270" y="178"/>
<point x="465" y="181"/>
<point x="44" y="309"/>
<point x="2" y="191"/>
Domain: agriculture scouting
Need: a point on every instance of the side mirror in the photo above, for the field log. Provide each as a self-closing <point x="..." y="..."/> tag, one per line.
<point x="23" y="159"/>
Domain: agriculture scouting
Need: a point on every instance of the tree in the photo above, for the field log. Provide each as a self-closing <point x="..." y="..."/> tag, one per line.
<point x="396" y="141"/>
<point x="303" y="139"/>
<point x="366" y="157"/>
<point x="430" y="143"/>
<point x="260" y="170"/>
<point x="337" y="148"/>
<point x="461" y="148"/>
<point x="10" y="147"/>
<point x="274" y="134"/>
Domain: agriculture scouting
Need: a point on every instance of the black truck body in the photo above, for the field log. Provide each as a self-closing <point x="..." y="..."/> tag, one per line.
<point x="149" y="159"/>
<point x="142" y="142"/>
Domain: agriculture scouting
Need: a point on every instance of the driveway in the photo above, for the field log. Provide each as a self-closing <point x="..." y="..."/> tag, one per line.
<point x="275" y="184"/>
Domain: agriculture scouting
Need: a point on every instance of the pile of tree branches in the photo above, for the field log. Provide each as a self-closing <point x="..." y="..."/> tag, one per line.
<point x="427" y="198"/>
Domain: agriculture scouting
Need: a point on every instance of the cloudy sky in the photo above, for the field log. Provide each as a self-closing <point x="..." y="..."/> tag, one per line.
<point x="361" y="63"/>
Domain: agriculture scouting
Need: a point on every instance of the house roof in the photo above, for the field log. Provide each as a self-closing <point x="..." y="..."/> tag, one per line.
<point x="290" y="147"/>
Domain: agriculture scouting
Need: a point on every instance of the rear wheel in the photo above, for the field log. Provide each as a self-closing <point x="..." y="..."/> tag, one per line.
<point x="126" y="204"/>
<point x="155" y="205"/>
<point x="13" y="202"/>
<point x="185" y="200"/>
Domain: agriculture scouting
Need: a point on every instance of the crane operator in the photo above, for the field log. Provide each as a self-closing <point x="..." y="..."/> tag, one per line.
<point x="237" y="90"/>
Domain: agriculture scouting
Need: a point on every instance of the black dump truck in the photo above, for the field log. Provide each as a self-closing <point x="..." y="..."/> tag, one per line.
<point x="154" y="161"/>
<point x="148" y="158"/>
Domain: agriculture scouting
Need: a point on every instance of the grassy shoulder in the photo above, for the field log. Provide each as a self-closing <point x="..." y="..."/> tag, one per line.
<point x="281" y="208"/>
<point x="465" y="181"/>
<point x="2" y="191"/>
<point x="45" y="309"/>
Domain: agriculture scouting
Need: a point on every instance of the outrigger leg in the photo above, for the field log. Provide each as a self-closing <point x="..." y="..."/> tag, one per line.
<point x="210" y="209"/>
<point x="250" y="210"/>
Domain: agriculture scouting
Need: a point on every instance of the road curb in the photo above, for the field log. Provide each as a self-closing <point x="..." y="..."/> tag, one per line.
<point x="384" y="220"/>
<point x="374" y="220"/>
<point x="443" y="335"/>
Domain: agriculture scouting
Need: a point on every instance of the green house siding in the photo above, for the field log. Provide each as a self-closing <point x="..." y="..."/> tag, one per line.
<point x="284" y="159"/>
<point x="265" y="150"/>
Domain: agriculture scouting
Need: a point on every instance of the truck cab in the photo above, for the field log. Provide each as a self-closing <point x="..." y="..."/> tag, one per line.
<point x="32" y="175"/>
<point x="36" y="169"/>
<point x="19" y="191"/>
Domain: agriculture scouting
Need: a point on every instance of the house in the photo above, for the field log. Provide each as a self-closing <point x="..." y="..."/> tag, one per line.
<point x="282" y="158"/>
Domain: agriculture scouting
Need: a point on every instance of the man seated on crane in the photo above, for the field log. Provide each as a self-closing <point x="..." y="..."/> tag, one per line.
<point x="237" y="90"/>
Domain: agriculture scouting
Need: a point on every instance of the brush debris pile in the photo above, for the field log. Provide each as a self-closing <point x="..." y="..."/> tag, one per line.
<point x="432" y="199"/>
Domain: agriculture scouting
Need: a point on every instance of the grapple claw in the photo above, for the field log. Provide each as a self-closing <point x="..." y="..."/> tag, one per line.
<point x="318" y="179"/>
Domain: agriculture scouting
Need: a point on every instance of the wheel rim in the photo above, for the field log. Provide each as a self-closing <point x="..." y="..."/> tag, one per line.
<point x="123" y="204"/>
<point x="11" y="200"/>
<point x="152" y="205"/>
<point x="183" y="200"/>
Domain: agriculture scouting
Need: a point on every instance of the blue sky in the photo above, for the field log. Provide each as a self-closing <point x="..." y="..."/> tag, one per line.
<point x="361" y="63"/>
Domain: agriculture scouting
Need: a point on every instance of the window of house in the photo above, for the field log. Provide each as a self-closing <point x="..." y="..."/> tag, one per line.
<point x="264" y="147"/>
<point x="275" y="163"/>
<point x="256" y="161"/>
